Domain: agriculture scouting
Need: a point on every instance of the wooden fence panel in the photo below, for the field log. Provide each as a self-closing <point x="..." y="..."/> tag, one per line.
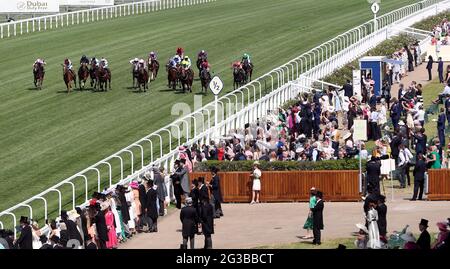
<point x="282" y="186"/>
<point x="439" y="184"/>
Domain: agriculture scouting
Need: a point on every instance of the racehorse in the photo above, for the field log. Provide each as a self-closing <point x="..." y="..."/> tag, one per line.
<point x="103" y="79"/>
<point x="239" y="77"/>
<point x="38" y="72"/>
<point x="68" y="77"/>
<point x="205" y="78"/>
<point x="172" y="77"/>
<point x="153" y="68"/>
<point x="92" y="73"/>
<point x="248" y="68"/>
<point x="200" y="60"/>
<point x="83" y="74"/>
<point x="135" y="73"/>
<point x="186" y="79"/>
<point x="143" y="79"/>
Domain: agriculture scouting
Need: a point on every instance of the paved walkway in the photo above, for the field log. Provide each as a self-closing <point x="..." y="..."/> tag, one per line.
<point x="248" y="226"/>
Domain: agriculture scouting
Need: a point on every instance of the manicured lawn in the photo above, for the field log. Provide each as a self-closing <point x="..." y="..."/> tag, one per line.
<point x="49" y="135"/>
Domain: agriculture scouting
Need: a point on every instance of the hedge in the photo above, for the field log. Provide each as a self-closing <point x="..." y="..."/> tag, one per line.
<point x="235" y="166"/>
<point x="428" y="24"/>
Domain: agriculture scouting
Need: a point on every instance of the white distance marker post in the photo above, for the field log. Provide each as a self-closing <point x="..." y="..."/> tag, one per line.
<point x="216" y="86"/>
<point x="375" y="8"/>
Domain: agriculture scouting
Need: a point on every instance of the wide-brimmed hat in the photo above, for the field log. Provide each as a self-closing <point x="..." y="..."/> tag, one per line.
<point x="401" y="123"/>
<point x="330" y="109"/>
<point x="347" y="136"/>
<point x="73" y="214"/>
<point x="256" y="163"/>
<point x="442" y="225"/>
<point x="424" y="222"/>
<point x="408" y="237"/>
<point x="362" y="227"/>
<point x="134" y="185"/>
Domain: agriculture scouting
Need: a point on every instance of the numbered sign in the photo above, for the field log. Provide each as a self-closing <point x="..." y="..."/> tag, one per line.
<point x="375" y="8"/>
<point x="216" y="85"/>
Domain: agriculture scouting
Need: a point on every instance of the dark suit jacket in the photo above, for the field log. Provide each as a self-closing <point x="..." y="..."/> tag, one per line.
<point x="419" y="170"/>
<point x="348" y="90"/>
<point x="441" y="122"/>
<point x="373" y="169"/>
<point x="203" y="194"/>
<point x="382" y="222"/>
<point x="430" y="64"/>
<point x="318" y="215"/>
<point x="142" y="197"/>
<point x="189" y="220"/>
<point x="25" y="240"/>
<point x="216" y="191"/>
<point x="195" y="194"/>
<point x="73" y="230"/>
<point x="440" y="66"/>
<point x="424" y="240"/>
<point x="100" y="223"/>
<point x="207" y="219"/>
<point x="150" y="206"/>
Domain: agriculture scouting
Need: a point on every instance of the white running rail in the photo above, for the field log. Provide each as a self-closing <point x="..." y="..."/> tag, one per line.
<point x="60" y="20"/>
<point x="268" y="92"/>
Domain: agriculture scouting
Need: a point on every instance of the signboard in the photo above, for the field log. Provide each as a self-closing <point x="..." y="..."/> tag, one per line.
<point x="360" y="130"/>
<point x="375" y="8"/>
<point x="357" y="82"/>
<point x="29" y="6"/>
<point x="86" y="2"/>
<point x="216" y="85"/>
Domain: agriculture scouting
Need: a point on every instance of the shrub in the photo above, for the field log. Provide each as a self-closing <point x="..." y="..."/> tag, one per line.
<point x="235" y="166"/>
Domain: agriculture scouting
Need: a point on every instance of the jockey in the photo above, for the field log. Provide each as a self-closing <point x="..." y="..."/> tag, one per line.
<point x="104" y="63"/>
<point x="237" y="64"/>
<point x="134" y="61"/>
<point x="172" y="63"/>
<point x="39" y="61"/>
<point x="141" y="63"/>
<point x="94" y="62"/>
<point x="186" y="63"/>
<point x="152" y="56"/>
<point x="180" y="52"/>
<point x="176" y="59"/>
<point x="69" y="66"/>
<point x="205" y="65"/>
<point x="246" y="56"/>
<point x="203" y="55"/>
<point x="84" y="60"/>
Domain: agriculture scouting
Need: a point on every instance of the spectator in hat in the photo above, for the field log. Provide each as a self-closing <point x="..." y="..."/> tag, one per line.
<point x="151" y="210"/>
<point x="382" y="219"/>
<point x="442" y="235"/>
<point x="136" y="205"/>
<point x="424" y="240"/>
<point x="207" y="222"/>
<point x="55" y="241"/>
<point x="372" y="222"/>
<point x="83" y="223"/>
<point x="109" y="218"/>
<point x="318" y="218"/>
<point x="256" y="188"/>
<point x="362" y="239"/>
<point x="100" y="225"/>
<point x="373" y="168"/>
<point x="410" y="241"/>
<point x="189" y="219"/>
<point x="72" y="228"/>
<point x="176" y="181"/>
<point x="158" y="181"/>
<point x="183" y="173"/>
<point x="25" y="241"/>
<point x="420" y="168"/>
<point x="309" y="220"/>
<point x="216" y="192"/>
<point x="143" y="201"/>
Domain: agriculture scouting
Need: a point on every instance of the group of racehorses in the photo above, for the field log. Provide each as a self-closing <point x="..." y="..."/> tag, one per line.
<point x="100" y="78"/>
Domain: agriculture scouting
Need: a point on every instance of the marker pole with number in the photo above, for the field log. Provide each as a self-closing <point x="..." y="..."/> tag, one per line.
<point x="216" y="85"/>
<point x="375" y="8"/>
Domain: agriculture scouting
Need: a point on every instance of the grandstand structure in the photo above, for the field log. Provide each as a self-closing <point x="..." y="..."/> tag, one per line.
<point x="267" y="92"/>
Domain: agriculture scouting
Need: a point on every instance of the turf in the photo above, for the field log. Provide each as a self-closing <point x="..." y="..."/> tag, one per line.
<point x="49" y="135"/>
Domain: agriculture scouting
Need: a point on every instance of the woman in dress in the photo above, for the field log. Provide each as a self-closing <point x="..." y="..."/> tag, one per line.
<point x="109" y="218"/>
<point x="256" y="189"/>
<point x="309" y="220"/>
<point x="37" y="244"/>
<point x="441" y="236"/>
<point x="136" y="203"/>
<point x="374" y="234"/>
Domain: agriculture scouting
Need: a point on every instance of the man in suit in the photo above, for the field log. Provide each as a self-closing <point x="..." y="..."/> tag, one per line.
<point x="72" y="228"/>
<point x="382" y="220"/>
<point x="151" y="210"/>
<point x="441" y="127"/>
<point x="143" y="201"/>
<point x="216" y="192"/>
<point x="176" y="181"/>
<point x="158" y="180"/>
<point x="183" y="173"/>
<point x="189" y="219"/>
<point x="373" y="168"/>
<point x="441" y="70"/>
<point x="102" y="229"/>
<point x="424" y="240"/>
<point x="396" y="111"/>
<point x="207" y="221"/>
<point x="25" y="241"/>
<point x="203" y="189"/>
<point x="318" y="218"/>
<point x="419" y="176"/>
<point x="447" y="110"/>
<point x="348" y="89"/>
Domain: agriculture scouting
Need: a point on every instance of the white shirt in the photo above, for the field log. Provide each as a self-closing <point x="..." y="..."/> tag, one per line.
<point x="374" y="116"/>
<point x="404" y="156"/>
<point x="420" y="115"/>
<point x="446" y="90"/>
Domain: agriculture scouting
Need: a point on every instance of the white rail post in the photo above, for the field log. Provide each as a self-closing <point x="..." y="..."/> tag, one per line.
<point x="14" y="221"/>
<point x="85" y="185"/>
<point x="59" y="198"/>
<point x="73" y="193"/>
<point x="121" y="165"/>
<point x="132" y="160"/>
<point x="56" y="22"/>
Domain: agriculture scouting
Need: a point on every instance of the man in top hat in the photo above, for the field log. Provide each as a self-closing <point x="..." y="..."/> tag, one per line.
<point x="151" y="211"/>
<point x="189" y="219"/>
<point x="373" y="168"/>
<point x="216" y="192"/>
<point x="318" y="218"/>
<point x="72" y="228"/>
<point x="25" y="241"/>
<point x="158" y="181"/>
<point x="207" y="221"/>
<point x="424" y="240"/>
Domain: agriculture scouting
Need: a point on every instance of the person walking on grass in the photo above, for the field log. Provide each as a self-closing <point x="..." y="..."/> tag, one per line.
<point x="309" y="220"/>
<point x="430" y="67"/>
<point x="256" y="182"/>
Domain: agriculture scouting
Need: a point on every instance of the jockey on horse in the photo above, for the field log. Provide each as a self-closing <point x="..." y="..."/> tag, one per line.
<point x="186" y="63"/>
<point x="205" y="75"/>
<point x="39" y="62"/>
<point x="180" y="52"/>
<point x="83" y="71"/>
<point x="247" y="66"/>
<point x="135" y="69"/>
<point x="153" y="64"/>
<point x="187" y="74"/>
<point x="69" y="66"/>
<point x="84" y="60"/>
<point x="104" y="64"/>
<point x="201" y="58"/>
<point x="38" y="71"/>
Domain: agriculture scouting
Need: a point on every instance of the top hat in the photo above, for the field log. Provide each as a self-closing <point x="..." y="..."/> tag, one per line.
<point x="424" y="222"/>
<point x="23" y="219"/>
